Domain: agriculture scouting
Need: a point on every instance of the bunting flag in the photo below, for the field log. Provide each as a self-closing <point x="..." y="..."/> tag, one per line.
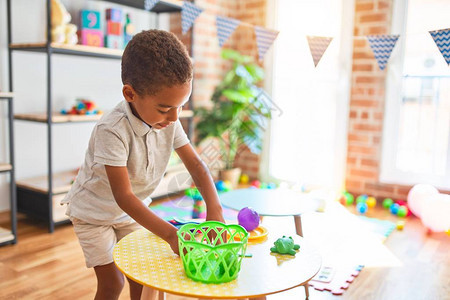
<point x="442" y="40"/>
<point x="382" y="46"/>
<point x="148" y="4"/>
<point x="264" y="39"/>
<point x="189" y="12"/>
<point x="225" y="27"/>
<point x="317" y="46"/>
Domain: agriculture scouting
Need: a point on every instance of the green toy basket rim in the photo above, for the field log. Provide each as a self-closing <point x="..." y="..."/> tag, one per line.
<point x="187" y="227"/>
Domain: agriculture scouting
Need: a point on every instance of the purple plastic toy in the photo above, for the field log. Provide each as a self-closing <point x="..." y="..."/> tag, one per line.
<point x="248" y="218"/>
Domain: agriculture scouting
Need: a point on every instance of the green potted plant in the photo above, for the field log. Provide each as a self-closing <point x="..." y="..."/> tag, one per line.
<point x="238" y="113"/>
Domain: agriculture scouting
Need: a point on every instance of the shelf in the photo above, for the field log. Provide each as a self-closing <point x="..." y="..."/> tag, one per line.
<point x="61" y="183"/>
<point x="80" y="50"/>
<point x="6" y="95"/>
<point x="5" y="167"/>
<point x="57" y="118"/>
<point x="6" y="235"/>
<point x="163" y="6"/>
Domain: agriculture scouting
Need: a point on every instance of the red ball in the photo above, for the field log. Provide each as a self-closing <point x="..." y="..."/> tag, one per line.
<point x="256" y="183"/>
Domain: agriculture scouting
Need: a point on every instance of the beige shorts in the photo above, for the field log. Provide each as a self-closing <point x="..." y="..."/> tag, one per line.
<point x="97" y="241"/>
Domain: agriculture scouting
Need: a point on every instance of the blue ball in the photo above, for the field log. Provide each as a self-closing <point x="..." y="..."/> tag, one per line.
<point x="220" y="186"/>
<point x="394" y="208"/>
<point x="361" y="207"/>
<point x="271" y="186"/>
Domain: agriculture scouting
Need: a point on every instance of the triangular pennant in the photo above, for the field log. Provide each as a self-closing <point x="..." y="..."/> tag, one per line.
<point x="148" y="4"/>
<point x="317" y="46"/>
<point x="189" y="12"/>
<point x="264" y="39"/>
<point x="442" y="40"/>
<point x="225" y="27"/>
<point x="382" y="46"/>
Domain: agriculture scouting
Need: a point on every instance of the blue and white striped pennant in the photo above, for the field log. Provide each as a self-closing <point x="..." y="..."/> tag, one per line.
<point x="264" y="39"/>
<point x="442" y="39"/>
<point x="317" y="46"/>
<point x="189" y="12"/>
<point x="225" y="27"/>
<point x="382" y="46"/>
<point x="148" y="4"/>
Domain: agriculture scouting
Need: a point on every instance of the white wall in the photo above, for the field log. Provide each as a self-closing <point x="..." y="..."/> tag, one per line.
<point x="72" y="77"/>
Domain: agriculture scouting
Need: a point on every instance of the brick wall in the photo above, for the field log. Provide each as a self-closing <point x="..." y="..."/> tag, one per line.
<point x="209" y="68"/>
<point x="367" y="105"/>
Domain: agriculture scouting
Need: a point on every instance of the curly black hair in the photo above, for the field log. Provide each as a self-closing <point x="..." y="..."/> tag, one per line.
<point x="155" y="59"/>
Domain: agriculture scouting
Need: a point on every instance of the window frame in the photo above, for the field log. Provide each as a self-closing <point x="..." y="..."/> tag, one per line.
<point x="389" y="174"/>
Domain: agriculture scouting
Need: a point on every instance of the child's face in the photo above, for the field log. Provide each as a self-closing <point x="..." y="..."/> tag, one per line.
<point x="161" y="109"/>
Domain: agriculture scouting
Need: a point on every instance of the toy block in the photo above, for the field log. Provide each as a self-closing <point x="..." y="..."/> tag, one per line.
<point x="91" y="37"/>
<point x="114" y="14"/>
<point x="114" y="41"/>
<point x="90" y="19"/>
<point x="113" y="28"/>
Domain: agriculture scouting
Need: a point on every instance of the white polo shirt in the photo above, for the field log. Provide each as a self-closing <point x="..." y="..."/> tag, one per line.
<point x="121" y="139"/>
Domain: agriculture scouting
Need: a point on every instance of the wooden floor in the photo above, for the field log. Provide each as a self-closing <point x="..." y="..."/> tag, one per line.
<point x="51" y="266"/>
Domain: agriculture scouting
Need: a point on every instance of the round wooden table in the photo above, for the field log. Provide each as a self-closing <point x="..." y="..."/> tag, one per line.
<point x="272" y="202"/>
<point x="148" y="260"/>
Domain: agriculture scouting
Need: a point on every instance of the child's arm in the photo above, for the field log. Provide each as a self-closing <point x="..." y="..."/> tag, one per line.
<point x="135" y="208"/>
<point x="203" y="180"/>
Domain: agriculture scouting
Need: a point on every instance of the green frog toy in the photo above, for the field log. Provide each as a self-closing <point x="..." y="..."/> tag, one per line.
<point x="285" y="245"/>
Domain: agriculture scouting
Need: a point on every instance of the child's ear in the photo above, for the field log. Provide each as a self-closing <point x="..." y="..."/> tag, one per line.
<point x="129" y="93"/>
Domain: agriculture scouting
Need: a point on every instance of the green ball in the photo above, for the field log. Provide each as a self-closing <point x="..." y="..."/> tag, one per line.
<point x="402" y="211"/>
<point x="361" y="199"/>
<point x="349" y="198"/>
<point x="387" y="203"/>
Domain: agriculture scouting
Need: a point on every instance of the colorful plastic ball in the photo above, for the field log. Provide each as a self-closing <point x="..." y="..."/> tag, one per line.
<point x="394" y="208"/>
<point x="271" y="186"/>
<point x="244" y="179"/>
<point x="387" y="202"/>
<point x="361" y="207"/>
<point x="349" y="198"/>
<point x="371" y="201"/>
<point x="220" y="186"/>
<point x="263" y="185"/>
<point x="404" y="203"/>
<point x="402" y="211"/>
<point x="447" y="231"/>
<point x="227" y="186"/>
<point x="256" y="183"/>
<point x="400" y="225"/>
<point x="248" y="218"/>
<point x="361" y="199"/>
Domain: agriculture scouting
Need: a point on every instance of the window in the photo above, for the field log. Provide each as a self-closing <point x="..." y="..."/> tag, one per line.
<point x="308" y="140"/>
<point x="416" y="138"/>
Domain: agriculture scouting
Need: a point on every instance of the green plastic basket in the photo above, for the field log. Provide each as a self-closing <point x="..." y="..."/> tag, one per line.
<point x="208" y="255"/>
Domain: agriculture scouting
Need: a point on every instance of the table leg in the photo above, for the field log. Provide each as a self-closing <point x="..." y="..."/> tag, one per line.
<point x="298" y="225"/>
<point x="306" y="291"/>
<point x="152" y="294"/>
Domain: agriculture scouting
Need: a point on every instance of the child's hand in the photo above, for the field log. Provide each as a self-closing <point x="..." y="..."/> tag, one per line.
<point x="215" y="215"/>
<point x="173" y="242"/>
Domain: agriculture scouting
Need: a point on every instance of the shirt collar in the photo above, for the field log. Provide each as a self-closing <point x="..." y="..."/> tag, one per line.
<point x="140" y="128"/>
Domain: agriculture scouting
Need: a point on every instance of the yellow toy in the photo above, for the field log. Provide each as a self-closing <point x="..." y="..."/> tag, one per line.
<point x="371" y="202"/>
<point x="62" y="31"/>
<point x="400" y="225"/>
